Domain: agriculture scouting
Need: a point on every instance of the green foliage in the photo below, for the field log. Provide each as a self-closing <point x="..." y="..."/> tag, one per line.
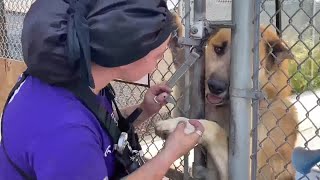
<point x="304" y="70"/>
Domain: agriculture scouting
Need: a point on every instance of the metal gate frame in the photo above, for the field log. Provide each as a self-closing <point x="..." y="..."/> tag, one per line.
<point x="240" y="83"/>
<point x="241" y="89"/>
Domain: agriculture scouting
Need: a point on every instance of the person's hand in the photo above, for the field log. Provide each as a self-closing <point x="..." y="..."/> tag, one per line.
<point x="180" y="143"/>
<point x="155" y="98"/>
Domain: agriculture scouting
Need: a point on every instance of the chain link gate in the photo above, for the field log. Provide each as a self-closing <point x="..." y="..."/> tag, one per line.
<point x="297" y="22"/>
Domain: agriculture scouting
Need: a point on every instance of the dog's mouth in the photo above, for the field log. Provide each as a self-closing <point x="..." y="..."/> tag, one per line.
<point x="217" y="100"/>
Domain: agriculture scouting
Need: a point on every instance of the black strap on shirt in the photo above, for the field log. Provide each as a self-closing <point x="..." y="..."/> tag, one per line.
<point x="125" y="124"/>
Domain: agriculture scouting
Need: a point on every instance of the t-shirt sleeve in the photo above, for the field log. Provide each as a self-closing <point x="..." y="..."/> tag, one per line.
<point x="72" y="152"/>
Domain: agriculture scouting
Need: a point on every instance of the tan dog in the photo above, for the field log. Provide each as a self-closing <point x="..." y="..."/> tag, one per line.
<point x="277" y="132"/>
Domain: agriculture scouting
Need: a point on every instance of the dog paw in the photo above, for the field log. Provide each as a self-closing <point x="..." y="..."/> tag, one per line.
<point x="165" y="127"/>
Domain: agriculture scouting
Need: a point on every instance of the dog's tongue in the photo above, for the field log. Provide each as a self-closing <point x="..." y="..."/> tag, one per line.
<point x="214" y="99"/>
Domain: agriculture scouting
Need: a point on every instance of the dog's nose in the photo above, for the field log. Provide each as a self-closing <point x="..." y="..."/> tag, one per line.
<point x="216" y="86"/>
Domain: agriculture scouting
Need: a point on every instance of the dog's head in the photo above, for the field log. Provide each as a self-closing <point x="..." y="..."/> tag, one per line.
<point x="273" y="73"/>
<point x="217" y="67"/>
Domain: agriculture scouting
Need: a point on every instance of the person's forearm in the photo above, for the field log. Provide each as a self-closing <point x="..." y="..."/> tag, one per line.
<point x="154" y="169"/>
<point x="128" y="110"/>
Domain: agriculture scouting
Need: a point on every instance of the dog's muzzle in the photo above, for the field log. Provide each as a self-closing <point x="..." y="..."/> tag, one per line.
<point x="218" y="92"/>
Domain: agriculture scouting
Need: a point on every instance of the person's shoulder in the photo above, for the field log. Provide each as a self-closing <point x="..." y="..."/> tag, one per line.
<point x="41" y="108"/>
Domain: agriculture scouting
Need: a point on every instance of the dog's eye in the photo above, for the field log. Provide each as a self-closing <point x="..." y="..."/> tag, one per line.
<point x="219" y="50"/>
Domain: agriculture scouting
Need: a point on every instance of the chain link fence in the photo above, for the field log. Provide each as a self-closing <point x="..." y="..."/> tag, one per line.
<point x="288" y="115"/>
<point x="297" y="23"/>
<point x="295" y="82"/>
<point x="12" y="13"/>
<point x="11" y="17"/>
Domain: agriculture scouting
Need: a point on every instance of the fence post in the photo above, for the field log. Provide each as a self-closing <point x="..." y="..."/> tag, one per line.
<point x="197" y="72"/>
<point x="186" y="105"/>
<point x="240" y="88"/>
<point x="255" y="81"/>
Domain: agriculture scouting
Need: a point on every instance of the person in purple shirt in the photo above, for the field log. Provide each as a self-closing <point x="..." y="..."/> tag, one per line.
<point x="47" y="132"/>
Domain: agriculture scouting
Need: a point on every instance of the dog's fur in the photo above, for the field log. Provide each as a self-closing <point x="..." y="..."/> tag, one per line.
<point x="277" y="132"/>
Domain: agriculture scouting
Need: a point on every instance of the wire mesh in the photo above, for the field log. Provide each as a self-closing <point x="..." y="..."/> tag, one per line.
<point x="291" y="88"/>
<point x="287" y="114"/>
<point x="12" y="13"/>
<point x="11" y="17"/>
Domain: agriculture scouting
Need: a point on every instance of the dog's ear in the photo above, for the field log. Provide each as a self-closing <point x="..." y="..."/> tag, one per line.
<point x="276" y="53"/>
<point x="279" y="50"/>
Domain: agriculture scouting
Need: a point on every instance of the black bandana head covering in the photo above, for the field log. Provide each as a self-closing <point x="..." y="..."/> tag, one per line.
<point x="60" y="38"/>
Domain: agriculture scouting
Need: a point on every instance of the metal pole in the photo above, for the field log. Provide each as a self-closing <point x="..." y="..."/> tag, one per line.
<point x="186" y="106"/>
<point x="197" y="110"/>
<point x="315" y="35"/>
<point x="199" y="10"/>
<point x="187" y="83"/>
<point x="278" y="18"/>
<point x="255" y="102"/>
<point x="240" y="86"/>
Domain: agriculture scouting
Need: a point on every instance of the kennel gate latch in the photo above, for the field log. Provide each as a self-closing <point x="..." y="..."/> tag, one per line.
<point x="192" y="58"/>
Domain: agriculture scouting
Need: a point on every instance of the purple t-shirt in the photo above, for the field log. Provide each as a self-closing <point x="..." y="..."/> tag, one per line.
<point x="51" y="135"/>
